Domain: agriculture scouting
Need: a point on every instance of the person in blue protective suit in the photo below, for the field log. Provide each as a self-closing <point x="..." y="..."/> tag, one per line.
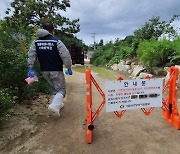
<point x="52" y="54"/>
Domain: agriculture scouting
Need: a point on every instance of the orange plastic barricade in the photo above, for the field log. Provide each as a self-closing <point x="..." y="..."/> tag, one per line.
<point x="90" y="115"/>
<point x="169" y="107"/>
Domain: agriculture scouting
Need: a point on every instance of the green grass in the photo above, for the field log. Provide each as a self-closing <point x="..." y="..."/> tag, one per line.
<point x="102" y="72"/>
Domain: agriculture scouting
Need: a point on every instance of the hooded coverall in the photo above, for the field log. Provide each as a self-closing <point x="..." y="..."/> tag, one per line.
<point x="52" y="54"/>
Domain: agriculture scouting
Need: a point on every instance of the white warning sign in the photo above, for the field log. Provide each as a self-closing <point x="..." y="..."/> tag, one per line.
<point x="133" y="94"/>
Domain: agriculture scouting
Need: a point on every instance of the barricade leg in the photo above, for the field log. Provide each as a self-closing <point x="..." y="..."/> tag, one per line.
<point x="89" y="128"/>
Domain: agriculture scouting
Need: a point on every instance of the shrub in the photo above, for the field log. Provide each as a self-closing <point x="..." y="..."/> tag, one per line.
<point x="115" y="60"/>
<point x="155" y="52"/>
<point x="111" y="54"/>
<point x="102" y="56"/>
<point x="175" y="59"/>
<point x="123" y="52"/>
<point x="13" y="65"/>
<point x="6" y="103"/>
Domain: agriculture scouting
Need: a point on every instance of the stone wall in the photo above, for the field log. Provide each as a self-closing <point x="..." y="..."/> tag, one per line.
<point x="137" y="71"/>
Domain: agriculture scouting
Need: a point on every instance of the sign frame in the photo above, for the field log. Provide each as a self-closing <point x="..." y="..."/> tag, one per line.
<point x="133" y="94"/>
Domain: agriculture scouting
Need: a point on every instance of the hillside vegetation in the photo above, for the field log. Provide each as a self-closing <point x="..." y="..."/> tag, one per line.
<point x="155" y="44"/>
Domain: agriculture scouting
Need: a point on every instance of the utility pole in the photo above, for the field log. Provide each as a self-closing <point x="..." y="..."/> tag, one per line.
<point x="94" y="37"/>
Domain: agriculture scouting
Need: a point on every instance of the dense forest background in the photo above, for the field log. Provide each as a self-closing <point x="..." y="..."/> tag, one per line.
<point x="156" y="43"/>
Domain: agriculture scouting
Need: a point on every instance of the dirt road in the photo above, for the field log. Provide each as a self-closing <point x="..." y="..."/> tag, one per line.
<point x="31" y="131"/>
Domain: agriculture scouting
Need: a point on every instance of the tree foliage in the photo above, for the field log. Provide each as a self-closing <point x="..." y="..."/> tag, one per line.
<point x="27" y="17"/>
<point x="154" y="28"/>
<point x="6" y="40"/>
<point x="69" y="39"/>
<point x="34" y="12"/>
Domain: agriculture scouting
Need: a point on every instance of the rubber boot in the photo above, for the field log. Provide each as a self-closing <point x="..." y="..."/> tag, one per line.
<point x="56" y="104"/>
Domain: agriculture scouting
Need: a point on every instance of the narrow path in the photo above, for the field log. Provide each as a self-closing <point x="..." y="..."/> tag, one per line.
<point x="32" y="131"/>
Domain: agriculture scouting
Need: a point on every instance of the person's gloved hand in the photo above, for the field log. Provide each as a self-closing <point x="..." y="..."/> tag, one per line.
<point x="31" y="72"/>
<point x="68" y="72"/>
